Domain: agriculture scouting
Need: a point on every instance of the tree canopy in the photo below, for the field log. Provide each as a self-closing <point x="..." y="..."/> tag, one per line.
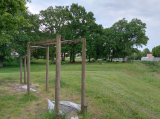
<point x="156" y="51"/>
<point x="146" y="51"/>
<point x="11" y="17"/>
<point x="18" y="26"/>
<point x="129" y="35"/>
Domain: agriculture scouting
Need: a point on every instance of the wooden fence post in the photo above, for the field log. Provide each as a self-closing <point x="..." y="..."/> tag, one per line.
<point x="83" y="76"/>
<point x="25" y="70"/>
<point x="28" y="68"/>
<point x="20" y="69"/>
<point x="47" y="66"/>
<point x="58" y="65"/>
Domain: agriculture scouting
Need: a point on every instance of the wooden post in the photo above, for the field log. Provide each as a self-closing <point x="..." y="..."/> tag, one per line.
<point x="58" y="65"/>
<point x="83" y="76"/>
<point x="58" y="116"/>
<point x="25" y="70"/>
<point x="28" y="68"/>
<point x="47" y="66"/>
<point x="20" y="69"/>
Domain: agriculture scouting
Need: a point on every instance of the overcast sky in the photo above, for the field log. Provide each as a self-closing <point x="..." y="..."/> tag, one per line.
<point x="107" y="12"/>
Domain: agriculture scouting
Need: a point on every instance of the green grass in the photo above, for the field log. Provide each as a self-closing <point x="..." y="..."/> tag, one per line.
<point x="50" y="115"/>
<point x="113" y="90"/>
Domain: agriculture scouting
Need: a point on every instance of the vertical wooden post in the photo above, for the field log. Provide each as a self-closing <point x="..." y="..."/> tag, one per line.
<point x="47" y="66"/>
<point x="28" y="68"/>
<point x="58" y="65"/>
<point x="25" y="70"/>
<point x="20" y="69"/>
<point x="83" y="75"/>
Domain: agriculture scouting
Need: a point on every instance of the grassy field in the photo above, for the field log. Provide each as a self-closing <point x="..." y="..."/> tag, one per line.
<point x="113" y="90"/>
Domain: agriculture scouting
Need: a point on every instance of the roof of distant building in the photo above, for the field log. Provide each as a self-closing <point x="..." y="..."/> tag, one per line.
<point x="150" y="55"/>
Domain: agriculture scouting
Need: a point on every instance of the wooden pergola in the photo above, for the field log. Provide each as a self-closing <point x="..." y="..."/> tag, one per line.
<point x="58" y="41"/>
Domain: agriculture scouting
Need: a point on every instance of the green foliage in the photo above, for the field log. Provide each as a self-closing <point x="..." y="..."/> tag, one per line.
<point x="136" y="55"/>
<point x="146" y="51"/>
<point x="151" y="63"/>
<point x="156" y="51"/>
<point x="10" y="18"/>
<point x="79" y="27"/>
<point x="75" y="22"/>
<point x="127" y="35"/>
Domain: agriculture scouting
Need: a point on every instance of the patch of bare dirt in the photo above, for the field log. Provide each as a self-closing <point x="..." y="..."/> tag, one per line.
<point x="132" y="74"/>
<point x="7" y="81"/>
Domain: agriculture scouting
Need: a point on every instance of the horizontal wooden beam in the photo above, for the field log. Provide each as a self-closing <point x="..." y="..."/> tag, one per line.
<point x="32" y="51"/>
<point x="46" y="41"/>
<point x="65" y="42"/>
<point x="37" y="46"/>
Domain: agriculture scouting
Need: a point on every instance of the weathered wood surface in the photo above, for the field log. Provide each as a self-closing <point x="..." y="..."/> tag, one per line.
<point x="44" y="42"/>
<point x="28" y="68"/>
<point x="32" y="51"/>
<point x="65" y="42"/>
<point x="21" y="69"/>
<point x="83" y="76"/>
<point x="47" y="41"/>
<point x="47" y="67"/>
<point x="58" y="66"/>
<point x="25" y="70"/>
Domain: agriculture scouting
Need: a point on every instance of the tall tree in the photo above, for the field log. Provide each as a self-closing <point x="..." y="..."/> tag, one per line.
<point x="53" y="21"/>
<point x="129" y="35"/>
<point x="146" y="51"/>
<point x="78" y="27"/>
<point x="109" y="45"/>
<point x="26" y="34"/>
<point x="98" y="42"/>
<point x="10" y="18"/>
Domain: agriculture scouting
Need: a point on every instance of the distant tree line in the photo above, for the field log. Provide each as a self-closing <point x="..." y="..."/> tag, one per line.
<point x="139" y="54"/>
<point x="73" y="22"/>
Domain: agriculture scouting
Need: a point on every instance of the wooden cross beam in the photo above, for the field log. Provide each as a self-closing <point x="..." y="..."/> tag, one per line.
<point x="46" y="41"/>
<point x="65" y="42"/>
<point x="32" y="51"/>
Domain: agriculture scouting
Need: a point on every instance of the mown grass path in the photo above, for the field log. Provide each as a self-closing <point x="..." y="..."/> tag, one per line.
<point x="113" y="90"/>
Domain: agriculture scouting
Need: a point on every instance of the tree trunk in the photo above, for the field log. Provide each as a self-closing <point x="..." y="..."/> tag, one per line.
<point x="1" y="61"/>
<point x="73" y="58"/>
<point x="52" y="59"/>
<point x="52" y="56"/>
<point x="89" y="58"/>
<point x="64" y="56"/>
<point x="70" y="57"/>
<point x="124" y="58"/>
